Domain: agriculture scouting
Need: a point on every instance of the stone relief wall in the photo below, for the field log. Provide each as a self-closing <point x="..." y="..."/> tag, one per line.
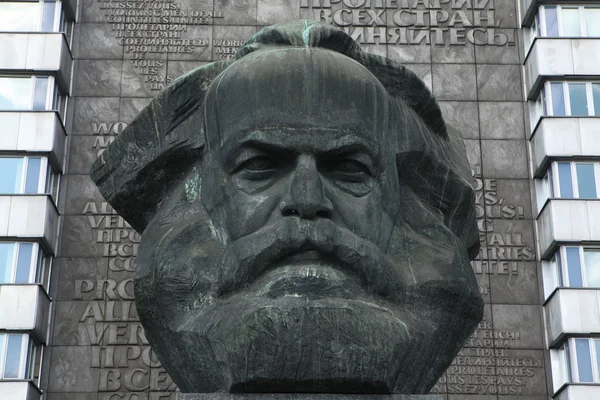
<point x="467" y="51"/>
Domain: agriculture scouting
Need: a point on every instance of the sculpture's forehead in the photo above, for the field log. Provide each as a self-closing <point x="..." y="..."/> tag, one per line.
<point x="302" y="89"/>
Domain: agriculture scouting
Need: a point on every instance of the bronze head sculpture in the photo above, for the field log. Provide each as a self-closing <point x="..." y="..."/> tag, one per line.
<point x="307" y="221"/>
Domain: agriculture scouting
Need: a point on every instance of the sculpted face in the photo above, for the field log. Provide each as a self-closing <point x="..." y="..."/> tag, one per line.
<point x="302" y="253"/>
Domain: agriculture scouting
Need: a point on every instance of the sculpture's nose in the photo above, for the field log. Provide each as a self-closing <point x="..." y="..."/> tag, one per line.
<point x="306" y="194"/>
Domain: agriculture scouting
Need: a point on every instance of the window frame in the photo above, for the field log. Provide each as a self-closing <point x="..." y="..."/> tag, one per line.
<point x="40" y="265"/>
<point x="545" y="99"/>
<point x="58" y="16"/>
<point x="541" y="22"/>
<point x="560" y="266"/>
<point x="555" y="184"/>
<point x="52" y="91"/>
<point x="44" y="185"/>
<point x="573" y="365"/>
<point x="30" y="354"/>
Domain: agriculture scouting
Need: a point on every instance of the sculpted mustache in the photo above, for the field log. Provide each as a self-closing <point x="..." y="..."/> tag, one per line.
<point x="250" y="256"/>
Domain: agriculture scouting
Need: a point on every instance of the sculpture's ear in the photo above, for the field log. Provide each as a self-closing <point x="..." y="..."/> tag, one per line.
<point x="136" y="171"/>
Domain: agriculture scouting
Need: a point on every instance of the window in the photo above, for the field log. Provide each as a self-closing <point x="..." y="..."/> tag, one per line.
<point x="567" y="21"/>
<point x="576" y="267"/>
<point x="37" y="93"/>
<point x="24" y="262"/>
<point x="20" y="357"/>
<point x="570" y="180"/>
<point x="571" y="98"/>
<point x="582" y="359"/>
<point x="28" y="175"/>
<point x="38" y="16"/>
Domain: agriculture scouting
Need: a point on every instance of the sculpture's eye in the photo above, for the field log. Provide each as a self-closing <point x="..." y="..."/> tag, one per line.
<point x="347" y="169"/>
<point x="348" y="166"/>
<point x="260" y="163"/>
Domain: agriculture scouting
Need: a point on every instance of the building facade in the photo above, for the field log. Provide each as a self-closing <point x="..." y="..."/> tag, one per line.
<point x="517" y="78"/>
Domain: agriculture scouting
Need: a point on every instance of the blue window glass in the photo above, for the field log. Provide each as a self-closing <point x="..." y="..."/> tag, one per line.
<point x="592" y="268"/>
<point x="11" y="175"/>
<point x="578" y="99"/>
<point x="48" y="16"/>
<point x="570" y="22"/>
<point x="24" y="262"/>
<point x="558" y="99"/>
<point x="33" y="175"/>
<point x="574" y="267"/>
<point x="565" y="180"/>
<point x="39" y="94"/>
<point x="592" y="17"/>
<point x="6" y="262"/>
<point x="596" y="97"/>
<point x="586" y="181"/>
<point x="561" y="281"/>
<point x="584" y="360"/>
<point x="13" y="356"/>
<point x="551" y="22"/>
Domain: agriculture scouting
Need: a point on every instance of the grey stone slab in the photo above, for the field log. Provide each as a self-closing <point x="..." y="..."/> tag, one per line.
<point x="483" y="282"/>
<point x="236" y="12"/>
<point x="163" y="382"/>
<point x="70" y="370"/>
<point x="68" y="329"/>
<point x="454" y="81"/>
<point x="516" y="236"/>
<point x="519" y="288"/>
<point x="202" y="51"/>
<point x="505" y="15"/>
<point x="301" y="396"/>
<point x="138" y="81"/>
<point x="84" y="151"/>
<point x="228" y="39"/>
<point x="90" y="112"/>
<point x="449" y="53"/>
<point x="321" y="14"/>
<point x="518" y="326"/>
<point x="409" y="53"/>
<point x="504" y="159"/>
<point x="72" y="273"/>
<point x="275" y="11"/>
<point x="462" y="116"/>
<point x="507" y="53"/>
<point x="524" y="397"/>
<point x="501" y="120"/>
<point x="473" y="153"/>
<point x="91" y="12"/>
<point x="197" y="5"/>
<point x="79" y="239"/>
<point x="533" y="385"/>
<point x="130" y="107"/>
<point x="514" y="194"/>
<point x="499" y="82"/>
<point x="71" y="396"/>
<point x="80" y="193"/>
<point x="100" y="78"/>
<point x="98" y="41"/>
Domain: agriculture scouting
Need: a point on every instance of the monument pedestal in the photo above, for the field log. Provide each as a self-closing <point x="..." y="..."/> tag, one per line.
<point x="304" y="396"/>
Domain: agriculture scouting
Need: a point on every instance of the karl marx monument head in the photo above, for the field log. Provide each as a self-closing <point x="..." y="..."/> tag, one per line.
<point x="307" y="221"/>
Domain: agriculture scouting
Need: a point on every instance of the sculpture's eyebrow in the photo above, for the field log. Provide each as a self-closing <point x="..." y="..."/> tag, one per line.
<point x="282" y="140"/>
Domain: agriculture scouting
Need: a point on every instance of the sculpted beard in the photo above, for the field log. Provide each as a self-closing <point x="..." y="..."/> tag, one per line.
<point x="393" y="314"/>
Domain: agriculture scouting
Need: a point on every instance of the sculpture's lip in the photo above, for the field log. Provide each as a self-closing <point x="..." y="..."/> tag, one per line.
<point x="303" y="256"/>
<point x="306" y="275"/>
